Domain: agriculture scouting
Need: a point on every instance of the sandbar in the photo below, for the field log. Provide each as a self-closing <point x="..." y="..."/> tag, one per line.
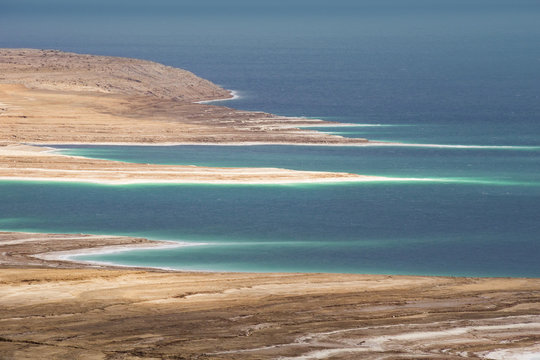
<point x="24" y="162"/>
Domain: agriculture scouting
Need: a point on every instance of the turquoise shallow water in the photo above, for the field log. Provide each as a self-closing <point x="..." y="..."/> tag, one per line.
<point x="445" y="229"/>
<point x="478" y="216"/>
<point x="515" y="165"/>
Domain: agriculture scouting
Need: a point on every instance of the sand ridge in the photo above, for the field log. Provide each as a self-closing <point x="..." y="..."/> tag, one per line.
<point x="24" y="162"/>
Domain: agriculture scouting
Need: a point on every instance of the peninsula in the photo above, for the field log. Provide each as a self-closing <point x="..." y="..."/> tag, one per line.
<point x="52" y="97"/>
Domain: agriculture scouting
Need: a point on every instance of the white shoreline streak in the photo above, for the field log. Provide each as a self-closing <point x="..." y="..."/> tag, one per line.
<point x="330" y="124"/>
<point x="234" y="96"/>
<point x="69" y="255"/>
<point x="274" y="143"/>
<point x="450" y="146"/>
<point x="359" y="179"/>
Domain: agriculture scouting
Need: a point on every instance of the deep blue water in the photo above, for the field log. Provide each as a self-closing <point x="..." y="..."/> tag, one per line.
<point x="471" y="66"/>
<point x="423" y="72"/>
<point x="407" y="228"/>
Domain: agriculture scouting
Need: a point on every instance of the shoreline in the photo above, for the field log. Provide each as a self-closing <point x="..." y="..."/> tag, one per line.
<point x="49" y="164"/>
<point x="233" y="93"/>
<point x="51" y="258"/>
<point x="57" y="308"/>
<point x="53" y="250"/>
<point x="358" y="179"/>
<point x="370" y="143"/>
<point x="58" y="93"/>
<point x="24" y="162"/>
<point x="69" y="255"/>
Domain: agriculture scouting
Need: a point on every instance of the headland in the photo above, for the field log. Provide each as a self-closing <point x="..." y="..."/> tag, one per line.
<point x="53" y="97"/>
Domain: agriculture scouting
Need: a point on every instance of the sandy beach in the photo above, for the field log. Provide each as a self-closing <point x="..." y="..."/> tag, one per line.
<point x="23" y="162"/>
<point x="54" y="308"/>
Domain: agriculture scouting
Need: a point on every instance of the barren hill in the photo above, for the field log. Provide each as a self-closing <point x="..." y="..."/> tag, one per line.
<point x="56" y="70"/>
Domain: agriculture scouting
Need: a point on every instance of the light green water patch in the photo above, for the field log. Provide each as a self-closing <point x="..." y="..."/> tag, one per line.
<point x="473" y="136"/>
<point x="96" y="153"/>
<point x="386" y="180"/>
<point x="126" y="256"/>
<point x="450" y="146"/>
<point x="330" y="127"/>
<point x="7" y="223"/>
<point x="370" y="179"/>
<point x="387" y="160"/>
<point x="422" y="228"/>
<point x="346" y="133"/>
<point x="295" y="256"/>
<point x="485" y="181"/>
<point x="374" y="141"/>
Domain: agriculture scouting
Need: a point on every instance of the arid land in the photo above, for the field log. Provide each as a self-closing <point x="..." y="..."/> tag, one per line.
<point x="53" y="308"/>
<point x="57" y="309"/>
<point x="52" y="97"/>
<point x="23" y="162"/>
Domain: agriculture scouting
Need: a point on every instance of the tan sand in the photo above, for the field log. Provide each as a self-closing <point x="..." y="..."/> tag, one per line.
<point x="23" y="162"/>
<point x="56" y="97"/>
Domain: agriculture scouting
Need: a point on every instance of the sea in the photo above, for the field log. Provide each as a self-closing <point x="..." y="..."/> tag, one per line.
<point x="456" y="83"/>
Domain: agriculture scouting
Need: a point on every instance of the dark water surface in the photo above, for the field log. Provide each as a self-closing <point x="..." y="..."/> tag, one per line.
<point x="441" y="72"/>
<point x="374" y="227"/>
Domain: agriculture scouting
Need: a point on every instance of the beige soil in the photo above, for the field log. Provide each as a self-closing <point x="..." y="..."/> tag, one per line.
<point x="57" y="97"/>
<point x="23" y="162"/>
<point x="82" y="313"/>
